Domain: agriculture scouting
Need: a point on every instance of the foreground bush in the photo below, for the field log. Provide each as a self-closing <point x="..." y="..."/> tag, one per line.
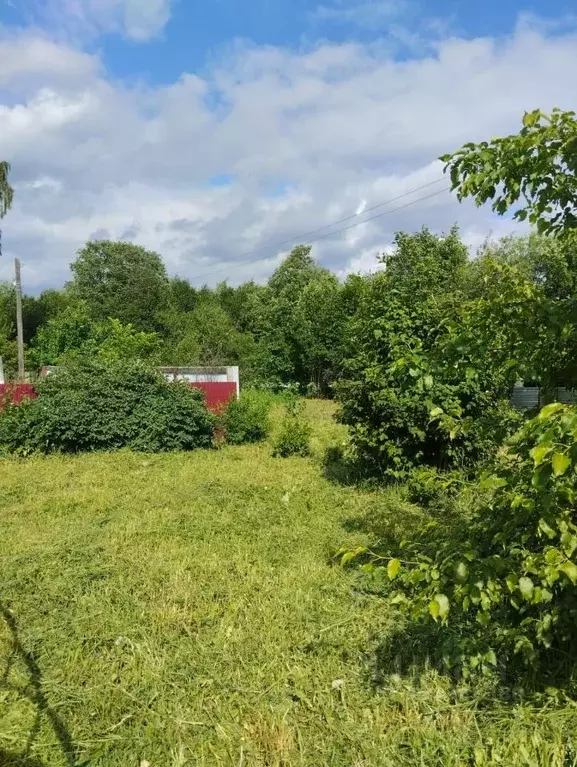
<point x="295" y="432"/>
<point x="107" y="406"/>
<point x="503" y="588"/>
<point x="247" y="419"/>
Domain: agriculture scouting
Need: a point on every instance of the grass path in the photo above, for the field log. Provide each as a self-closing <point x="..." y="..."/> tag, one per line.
<point x="182" y="610"/>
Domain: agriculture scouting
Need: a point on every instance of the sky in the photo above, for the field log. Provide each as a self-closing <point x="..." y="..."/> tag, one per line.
<point x="219" y="134"/>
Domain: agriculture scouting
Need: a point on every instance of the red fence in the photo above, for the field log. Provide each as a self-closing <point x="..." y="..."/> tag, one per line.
<point x="15" y="393"/>
<point x="217" y="394"/>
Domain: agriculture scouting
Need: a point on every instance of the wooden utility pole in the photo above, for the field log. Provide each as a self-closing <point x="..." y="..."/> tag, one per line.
<point x="19" y="323"/>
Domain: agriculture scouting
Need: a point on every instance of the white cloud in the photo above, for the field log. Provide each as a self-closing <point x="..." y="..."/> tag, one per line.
<point x="28" y="63"/>
<point x="77" y="19"/>
<point x="307" y="138"/>
<point x="145" y="18"/>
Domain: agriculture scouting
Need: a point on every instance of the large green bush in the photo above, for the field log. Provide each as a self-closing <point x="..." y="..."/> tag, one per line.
<point x="107" y="406"/>
<point x="502" y="586"/>
<point x="418" y="388"/>
<point x="430" y="372"/>
<point x="246" y="419"/>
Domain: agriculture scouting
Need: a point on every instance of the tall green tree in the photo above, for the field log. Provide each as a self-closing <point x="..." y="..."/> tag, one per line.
<point x="36" y="311"/>
<point x="205" y="336"/>
<point x="534" y="172"/>
<point x="320" y="318"/>
<point x="241" y="303"/>
<point x="7" y="343"/>
<point x="6" y="191"/>
<point x="121" y="280"/>
<point x="295" y="272"/>
<point x="297" y="342"/>
<point x="183" y="297"/>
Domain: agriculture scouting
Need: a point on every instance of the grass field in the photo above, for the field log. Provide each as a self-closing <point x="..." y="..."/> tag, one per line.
<point x="183" y="610"/>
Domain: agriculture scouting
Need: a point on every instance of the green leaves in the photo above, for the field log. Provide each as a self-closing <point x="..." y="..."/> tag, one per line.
<point x="348" y="555"/>
<point x="6" y="191"/>
<point x="539" y="453"/>
<point x="461" y="572"/>
<point x="99" y="405"/>
<point x="439" y="608"/>
<point x="246" y="419"/>
<point x="294" y="437"/>
<point x="507" y="579"/>
<point x="550" y="410"/>
<point x="560" y="463"/>
<point x="393" y="569"/>
<point x="526" y="587"/>
<point x="121" y="280"/>
<point x="506" y="170"/>
<point x="530" y="119"/>
<point x="570" y="570"/>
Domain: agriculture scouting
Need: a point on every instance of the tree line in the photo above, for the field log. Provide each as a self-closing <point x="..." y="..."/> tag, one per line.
<point x="120" y="301"/>
<point x="304" y="325"/>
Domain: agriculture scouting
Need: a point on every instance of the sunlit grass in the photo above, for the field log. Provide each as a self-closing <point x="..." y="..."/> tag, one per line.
<point x="183" y="610"/>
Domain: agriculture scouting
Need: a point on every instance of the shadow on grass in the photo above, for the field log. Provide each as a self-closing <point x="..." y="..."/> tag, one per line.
<point x="14" y="760"/>
<point x="409" y="651"/>
<point x="413" y="650"/>
<point x="341" y="469"/>
<point x="34" y="693"/>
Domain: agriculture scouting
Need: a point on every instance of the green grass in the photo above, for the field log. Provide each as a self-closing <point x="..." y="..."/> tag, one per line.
<point x="183" y="610"/>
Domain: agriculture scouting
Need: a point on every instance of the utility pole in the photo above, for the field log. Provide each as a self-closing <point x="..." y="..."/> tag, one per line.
<point x="19" y="323"/>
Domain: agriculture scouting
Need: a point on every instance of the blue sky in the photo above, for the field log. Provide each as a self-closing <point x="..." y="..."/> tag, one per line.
<point x="194" y="30"/>
<point x="210" y="130"/>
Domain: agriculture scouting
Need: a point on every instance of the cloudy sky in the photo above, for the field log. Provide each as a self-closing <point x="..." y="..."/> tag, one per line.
<point x="220" y="133"/>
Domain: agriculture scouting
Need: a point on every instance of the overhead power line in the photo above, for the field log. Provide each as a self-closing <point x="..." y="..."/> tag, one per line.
<point x="303" y="235"/>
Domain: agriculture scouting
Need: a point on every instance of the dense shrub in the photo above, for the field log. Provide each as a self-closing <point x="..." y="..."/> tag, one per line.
<point x="247" y="419"/>
<point x="503" y="587"/>
<point x="429" y="378"/>
<point x="295" y="432"/>
<point x="107" y="406"/>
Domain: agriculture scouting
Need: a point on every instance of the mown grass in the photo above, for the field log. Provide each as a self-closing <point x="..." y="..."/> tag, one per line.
<point x="183" y="610"/>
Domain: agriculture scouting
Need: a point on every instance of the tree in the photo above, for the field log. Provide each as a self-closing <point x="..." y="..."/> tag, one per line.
<point x="320" y="318"/>
<point x="534" y="170"/>
<point x="121" y="280"/>
<point x="6" y="191"/>
<point x="73" y="335"/>
<point x="293" y="330"/>
<point x="545" y="261"/>
<point x="183" y="297"/>
<point x="205" y="336"/>
<point x="241" y="303"/>
<point x="295" y="272"/>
